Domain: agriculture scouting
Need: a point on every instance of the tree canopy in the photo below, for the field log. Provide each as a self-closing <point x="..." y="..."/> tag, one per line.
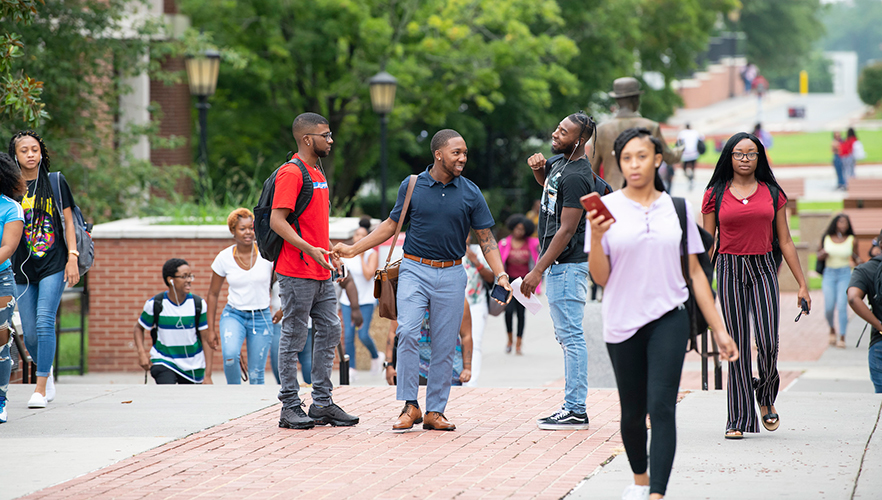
<point x="499" y="72"/>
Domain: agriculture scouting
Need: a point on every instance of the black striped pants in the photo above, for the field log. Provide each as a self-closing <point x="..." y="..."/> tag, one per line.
<point x="748" y="289"/>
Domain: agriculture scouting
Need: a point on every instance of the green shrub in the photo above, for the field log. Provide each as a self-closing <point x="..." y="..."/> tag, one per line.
<point x="870" y="84"/>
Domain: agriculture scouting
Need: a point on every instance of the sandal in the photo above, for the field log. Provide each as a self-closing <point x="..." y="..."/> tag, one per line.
<point x="841" y="343"/>
<point x="770" y="426"/>
<point x="734" y="434"/>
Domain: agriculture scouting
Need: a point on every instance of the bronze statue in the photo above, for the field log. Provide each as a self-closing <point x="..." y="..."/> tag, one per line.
<point x="626" y="92"/>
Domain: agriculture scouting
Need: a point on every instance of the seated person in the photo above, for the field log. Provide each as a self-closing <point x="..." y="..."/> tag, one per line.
<point x="174" y="318"/>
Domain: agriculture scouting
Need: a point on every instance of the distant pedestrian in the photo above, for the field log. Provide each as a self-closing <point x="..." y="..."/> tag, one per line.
<point x="847" y="153"/>
<point x="533" y="215"/>
<point x="478" y="275"/>
<point x="361" y="268"/>
<point x="45" y="260"/>
<point x="246" y="317"/>
<point x="520" y="253"/>
<point x="645" y="326"/>
<point x="563" y="259"/>
<point x="12" y="186"/>
<point x="748" y="73"/>
<point x="838" y="247"/>
<point x="304" y="357"/>
<point x="690" y="140"/>
<point x="747" y="219"/>
<point x="836" y="147"/>
<point x="866" y="281"/>
<point x="444" y="206"/>
<point x="177" y="316"/>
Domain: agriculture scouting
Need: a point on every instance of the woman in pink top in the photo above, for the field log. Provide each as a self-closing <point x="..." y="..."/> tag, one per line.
<point x="747" y="273"/>
<point x="519" y="252"/>
<point x="636" y="258"/>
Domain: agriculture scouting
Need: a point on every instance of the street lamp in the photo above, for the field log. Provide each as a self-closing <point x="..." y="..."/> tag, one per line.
<point x="202" y="73"/>
<point x="382" y="99"/>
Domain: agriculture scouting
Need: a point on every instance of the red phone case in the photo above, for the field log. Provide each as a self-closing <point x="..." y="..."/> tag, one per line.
<point x="592" y="201"/>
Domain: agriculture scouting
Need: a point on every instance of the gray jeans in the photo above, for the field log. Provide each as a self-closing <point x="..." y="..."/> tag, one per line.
<point x="301" y="299"/>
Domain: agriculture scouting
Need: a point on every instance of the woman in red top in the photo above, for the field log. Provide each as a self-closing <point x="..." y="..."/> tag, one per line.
<point x="747" y="274"/>
<point x="846" y="152"/>
<point x="519" y="253"/>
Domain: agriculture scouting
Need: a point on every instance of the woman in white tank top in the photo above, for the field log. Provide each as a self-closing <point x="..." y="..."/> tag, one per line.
<point x="838" y="248"/>
<point x="362" y="268"/>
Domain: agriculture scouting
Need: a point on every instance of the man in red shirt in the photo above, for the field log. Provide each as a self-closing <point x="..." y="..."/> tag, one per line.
<point x="305" y="282"/>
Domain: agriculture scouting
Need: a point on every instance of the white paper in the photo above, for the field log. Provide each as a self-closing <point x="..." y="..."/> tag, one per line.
<point x="532" y="304"/>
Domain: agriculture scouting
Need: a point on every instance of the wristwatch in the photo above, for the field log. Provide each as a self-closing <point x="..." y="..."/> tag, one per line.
<point x="496" y="281"/>
<point x="387" y="364"/>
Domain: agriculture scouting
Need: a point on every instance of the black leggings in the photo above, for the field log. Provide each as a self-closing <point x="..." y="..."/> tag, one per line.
<point x="648" y="368"/>
<point x="514" y="307"/>
<point x="164" y="375"/>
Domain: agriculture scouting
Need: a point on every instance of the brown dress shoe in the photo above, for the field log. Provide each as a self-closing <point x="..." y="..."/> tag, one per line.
<point x="437" y="421"/>
<point x="409" y="415"/>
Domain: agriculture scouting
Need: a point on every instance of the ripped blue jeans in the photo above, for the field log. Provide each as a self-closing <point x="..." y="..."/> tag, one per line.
<point x="253" y="327"/>
<point x="7" y="289"/>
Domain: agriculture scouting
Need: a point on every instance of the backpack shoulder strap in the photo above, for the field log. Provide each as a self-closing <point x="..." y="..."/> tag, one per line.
<point x="680" y="208"/>
<point x="157" y="311"/>
<point x="303" y="200"/>
<point x="57" y="204"/>
<point x="197" y="305"/>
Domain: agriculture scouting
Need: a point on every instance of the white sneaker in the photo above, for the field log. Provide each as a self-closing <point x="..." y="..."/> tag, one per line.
<point x="377" y="364"/>
<point x="3" y="411"/>
<point x="50" y="386"/>
<point x="353" y="375"/>
<point x="635" y="492"/>
<point x="37" y="401"/>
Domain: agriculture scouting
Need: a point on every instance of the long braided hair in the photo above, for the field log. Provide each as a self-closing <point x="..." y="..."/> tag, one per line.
<point x="43" y="193"/>
<point x="625" y="137"/>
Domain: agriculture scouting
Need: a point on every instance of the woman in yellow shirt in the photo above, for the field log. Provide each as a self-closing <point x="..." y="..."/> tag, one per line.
<point x="838" y="247"/>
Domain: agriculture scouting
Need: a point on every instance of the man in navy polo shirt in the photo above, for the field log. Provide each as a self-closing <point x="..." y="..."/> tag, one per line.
<point x="443" y="208"/>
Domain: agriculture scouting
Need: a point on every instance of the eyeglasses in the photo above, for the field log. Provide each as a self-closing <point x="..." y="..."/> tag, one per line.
<point x="327" y="135"/>
<point x="188" y="277"/>
<point x="738" y="155"/>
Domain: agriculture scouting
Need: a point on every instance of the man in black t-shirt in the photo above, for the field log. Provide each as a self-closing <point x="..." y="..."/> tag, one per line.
<point x="561" y="248"/>
<point x="865" y="282"/>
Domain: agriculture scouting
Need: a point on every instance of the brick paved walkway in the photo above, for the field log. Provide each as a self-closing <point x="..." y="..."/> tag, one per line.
<point x="496" y="452"/>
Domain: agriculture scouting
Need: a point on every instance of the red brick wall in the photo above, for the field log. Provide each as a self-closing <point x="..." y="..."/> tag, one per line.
<point x="126" y="273"/>
<point x="175" y="106"/>
<point x="714" y="89"/>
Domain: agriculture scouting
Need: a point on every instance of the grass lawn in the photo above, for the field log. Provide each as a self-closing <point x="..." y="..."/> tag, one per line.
<point x="811" y="148"/>
<point x="69" y="343"/>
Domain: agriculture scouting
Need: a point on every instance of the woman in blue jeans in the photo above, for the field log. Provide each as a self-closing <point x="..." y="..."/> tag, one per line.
<point x="11" y="224"/>
<point x="838" y="248"/>
<point x="246" y="317"/>
<point x="45" y="259"/>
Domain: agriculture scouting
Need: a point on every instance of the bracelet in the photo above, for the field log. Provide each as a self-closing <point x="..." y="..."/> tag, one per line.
<point x="496" y="281"/>
<point x="479" y="267"/>
<point x="74" y="252"/>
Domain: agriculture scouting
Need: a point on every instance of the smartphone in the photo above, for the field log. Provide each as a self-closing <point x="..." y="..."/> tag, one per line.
<point x="499" y="293"/>
<point x="338" y="275"/>
<point x="592" y="201"/>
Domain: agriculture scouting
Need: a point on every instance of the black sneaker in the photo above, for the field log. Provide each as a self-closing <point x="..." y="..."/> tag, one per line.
<point x="294" y="418"/>
<point x="331" y="415"/>
<point x="564" y="420"/>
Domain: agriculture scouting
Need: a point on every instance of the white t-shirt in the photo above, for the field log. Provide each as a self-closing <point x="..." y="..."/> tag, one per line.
<point x="689" y="139"/>
<point x="249" y="290"/>
<point x="364" y="286"/>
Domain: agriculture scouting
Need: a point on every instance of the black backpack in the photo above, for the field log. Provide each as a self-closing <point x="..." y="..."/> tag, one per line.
<point x="157" y="310"/>
<point x="85" y="245"/>
<point x="877" y="285"/>
<point x="706" y="239"/>
<point x="269" y="244"/>
<point x="599" y="186"/>
<point x="776" y="249"/>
